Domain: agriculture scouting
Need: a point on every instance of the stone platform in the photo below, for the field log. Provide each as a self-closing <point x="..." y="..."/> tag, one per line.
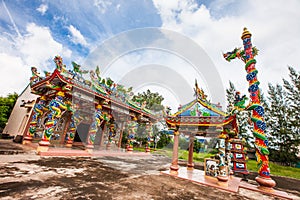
<point x="89" y="153"/>
<point x="232" y="185"/>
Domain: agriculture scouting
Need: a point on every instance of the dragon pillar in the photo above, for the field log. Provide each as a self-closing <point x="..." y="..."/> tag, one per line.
<point x="56" y="106"/>
<point x="132" y="129"/>
<point x="94" y="127"/>
<point x="261" y="143"/>
<point x="38" y="111"/>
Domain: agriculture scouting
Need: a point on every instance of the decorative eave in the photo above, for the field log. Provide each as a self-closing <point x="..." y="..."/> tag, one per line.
<point x="211" y="107"/>
<point x="68" y="80"/>
<point x="201" y="98"/>
<point x="219" y="121"/>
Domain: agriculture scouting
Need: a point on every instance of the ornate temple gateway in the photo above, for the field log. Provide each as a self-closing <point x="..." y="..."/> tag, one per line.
<point x="202" y="118"/>
<point x="72" y="110"/>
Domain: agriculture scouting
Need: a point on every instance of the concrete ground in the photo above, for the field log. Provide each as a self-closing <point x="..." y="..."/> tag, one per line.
<point x="25" y="175"/>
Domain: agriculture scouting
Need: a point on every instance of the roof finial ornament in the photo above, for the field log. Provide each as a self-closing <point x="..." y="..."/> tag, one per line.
<point x="199" y="92"/>
<point x="246" y="33"/>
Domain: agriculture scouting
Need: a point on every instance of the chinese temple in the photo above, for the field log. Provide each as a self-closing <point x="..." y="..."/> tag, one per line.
<point x="200" y="117"/>
<point x="72" y="110"/>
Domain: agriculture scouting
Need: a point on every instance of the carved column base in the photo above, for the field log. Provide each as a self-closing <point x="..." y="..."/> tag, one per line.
<point x="43" y="146"/>
<point x="42" y="149"/>
<point x="147" y="149"/>
<point x="69" y="145"/>
<point x="44" y="143"/>
<point x="190" y="166"/>
<point x="108" y="146"/>
<point x="129" y="149"/>
<point x="27" y="140"/>
<point x="89" y="147"/>
<point x="174" y="169"/>
<point x="266" y="182"/>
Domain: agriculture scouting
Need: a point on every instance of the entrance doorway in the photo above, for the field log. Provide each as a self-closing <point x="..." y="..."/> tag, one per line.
<point x="81" y="134"/>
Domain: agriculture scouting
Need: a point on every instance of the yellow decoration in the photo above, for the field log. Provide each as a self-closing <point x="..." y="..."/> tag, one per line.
<point x="43" y="98"/>
<point x="60" y="93"/>
<point x="222" y="135"/>
<point x="176" y="132"/>
<point x="246" y="33"/>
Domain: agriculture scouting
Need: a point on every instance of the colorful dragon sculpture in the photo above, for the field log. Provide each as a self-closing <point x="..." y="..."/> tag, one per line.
<point x="75" y="121"/>
<point x="132" y="129"/>
<point x="111" y="132"/>
<point x="71" y="132"/>
<point x="38" y="112"/>
<point x="149" y="132"/>
<point x="56" y="106"/>
<point x="98" y="118"/>
<point x="35" y="76"/>
<point x="261" y="142"/>
<point x="59" y="64"/>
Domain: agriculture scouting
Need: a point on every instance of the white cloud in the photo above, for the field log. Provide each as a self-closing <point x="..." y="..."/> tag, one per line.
<point x="36" y="48"/>
<point x="15" y="75"/>
<point x="118" y="7"/>
<point x="275" y="35"/>
<point x="42" y="8"/>
<point x="76" y="36"/>
<point x="102" y="5"/>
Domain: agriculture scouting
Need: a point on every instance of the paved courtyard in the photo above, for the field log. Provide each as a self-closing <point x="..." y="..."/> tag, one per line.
<point x="28" y="176"/>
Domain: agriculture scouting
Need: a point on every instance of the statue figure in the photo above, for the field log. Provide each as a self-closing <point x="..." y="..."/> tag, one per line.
<point x="59" y="64"/>
<point x="239" y="102"/>
<point x="35" y="76"/>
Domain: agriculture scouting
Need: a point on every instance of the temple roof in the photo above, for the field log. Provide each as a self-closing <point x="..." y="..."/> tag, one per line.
<point x="200" y="107"/>
<point x="74" y="84"/>
<point x="200" y="113"/>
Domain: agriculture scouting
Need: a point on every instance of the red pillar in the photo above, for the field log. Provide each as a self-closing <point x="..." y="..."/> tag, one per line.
<point x="121" y="135"/>
<point x="190" y="165"/>
<point x="174" y="167"/>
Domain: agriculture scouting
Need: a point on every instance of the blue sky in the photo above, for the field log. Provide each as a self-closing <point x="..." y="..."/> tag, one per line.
<point x="33" y="32"/>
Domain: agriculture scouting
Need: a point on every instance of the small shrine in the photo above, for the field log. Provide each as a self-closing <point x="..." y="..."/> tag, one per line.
<point x="200" y="117"/>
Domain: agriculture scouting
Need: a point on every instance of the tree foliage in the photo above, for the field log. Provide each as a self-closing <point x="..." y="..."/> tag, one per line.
<point x="6" y="105"/>
<point x="153" y="100"/>
<point x="242" y="116"/>
<point x="282" y="116"/>
<point x="164" y="139"/>
<point x="283" y="119"/>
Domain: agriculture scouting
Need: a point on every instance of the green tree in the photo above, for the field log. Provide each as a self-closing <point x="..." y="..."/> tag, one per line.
<point x="153" y="100"/>
<point x="293" y="99"/>
<point x="197" y="146"/>
<point x="164" y="139"/>
<point x="6" y="105"/>
<point x="230" y="92"/>
<point x="183" y="143"/>
<point x="282" y="141"/>
<point x="242" y="116"/>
